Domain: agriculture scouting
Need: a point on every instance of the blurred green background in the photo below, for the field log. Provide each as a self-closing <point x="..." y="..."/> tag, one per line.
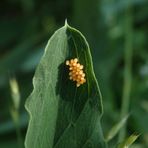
<point x="117" y="31"/>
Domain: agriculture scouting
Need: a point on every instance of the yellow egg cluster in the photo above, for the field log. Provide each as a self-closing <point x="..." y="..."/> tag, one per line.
<point x="76" y="71"/>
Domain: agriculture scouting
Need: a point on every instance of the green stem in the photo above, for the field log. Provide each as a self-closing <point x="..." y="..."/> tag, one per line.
<point x="16" y="120"/>
<point x="19" y="136"/>
<point x="127" y="69"/>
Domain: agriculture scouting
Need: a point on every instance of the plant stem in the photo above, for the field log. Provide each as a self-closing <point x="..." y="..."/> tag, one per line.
<point x="18" y="131"/>
<point x="128" y="68"/>
<point x="19" y="137"/>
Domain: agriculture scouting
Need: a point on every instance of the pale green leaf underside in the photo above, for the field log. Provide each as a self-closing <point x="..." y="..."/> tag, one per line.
<point x="62" y="115"/>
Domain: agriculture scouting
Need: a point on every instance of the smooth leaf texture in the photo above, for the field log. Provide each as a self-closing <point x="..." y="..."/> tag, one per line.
<point x="62" y="115"/>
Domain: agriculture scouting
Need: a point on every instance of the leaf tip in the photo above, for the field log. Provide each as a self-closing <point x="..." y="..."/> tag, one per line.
<point x="66" y="24"/>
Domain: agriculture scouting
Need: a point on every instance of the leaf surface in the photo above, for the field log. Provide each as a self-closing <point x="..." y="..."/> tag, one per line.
<point x="61" y="114"/>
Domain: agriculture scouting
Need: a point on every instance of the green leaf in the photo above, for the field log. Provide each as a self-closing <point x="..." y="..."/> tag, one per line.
<point x="116" y="128"/>
<point x="128" y="142"/>
<point x="61" y="114"/>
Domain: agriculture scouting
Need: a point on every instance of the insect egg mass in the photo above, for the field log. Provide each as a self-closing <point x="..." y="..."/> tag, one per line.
<point x="76" y="71"/>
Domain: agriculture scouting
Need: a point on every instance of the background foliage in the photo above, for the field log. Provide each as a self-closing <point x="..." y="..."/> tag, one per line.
<point x="25" y="27"/>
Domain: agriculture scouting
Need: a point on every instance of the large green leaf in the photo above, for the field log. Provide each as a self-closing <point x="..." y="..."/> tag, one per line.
<point x="62" y="115"/>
